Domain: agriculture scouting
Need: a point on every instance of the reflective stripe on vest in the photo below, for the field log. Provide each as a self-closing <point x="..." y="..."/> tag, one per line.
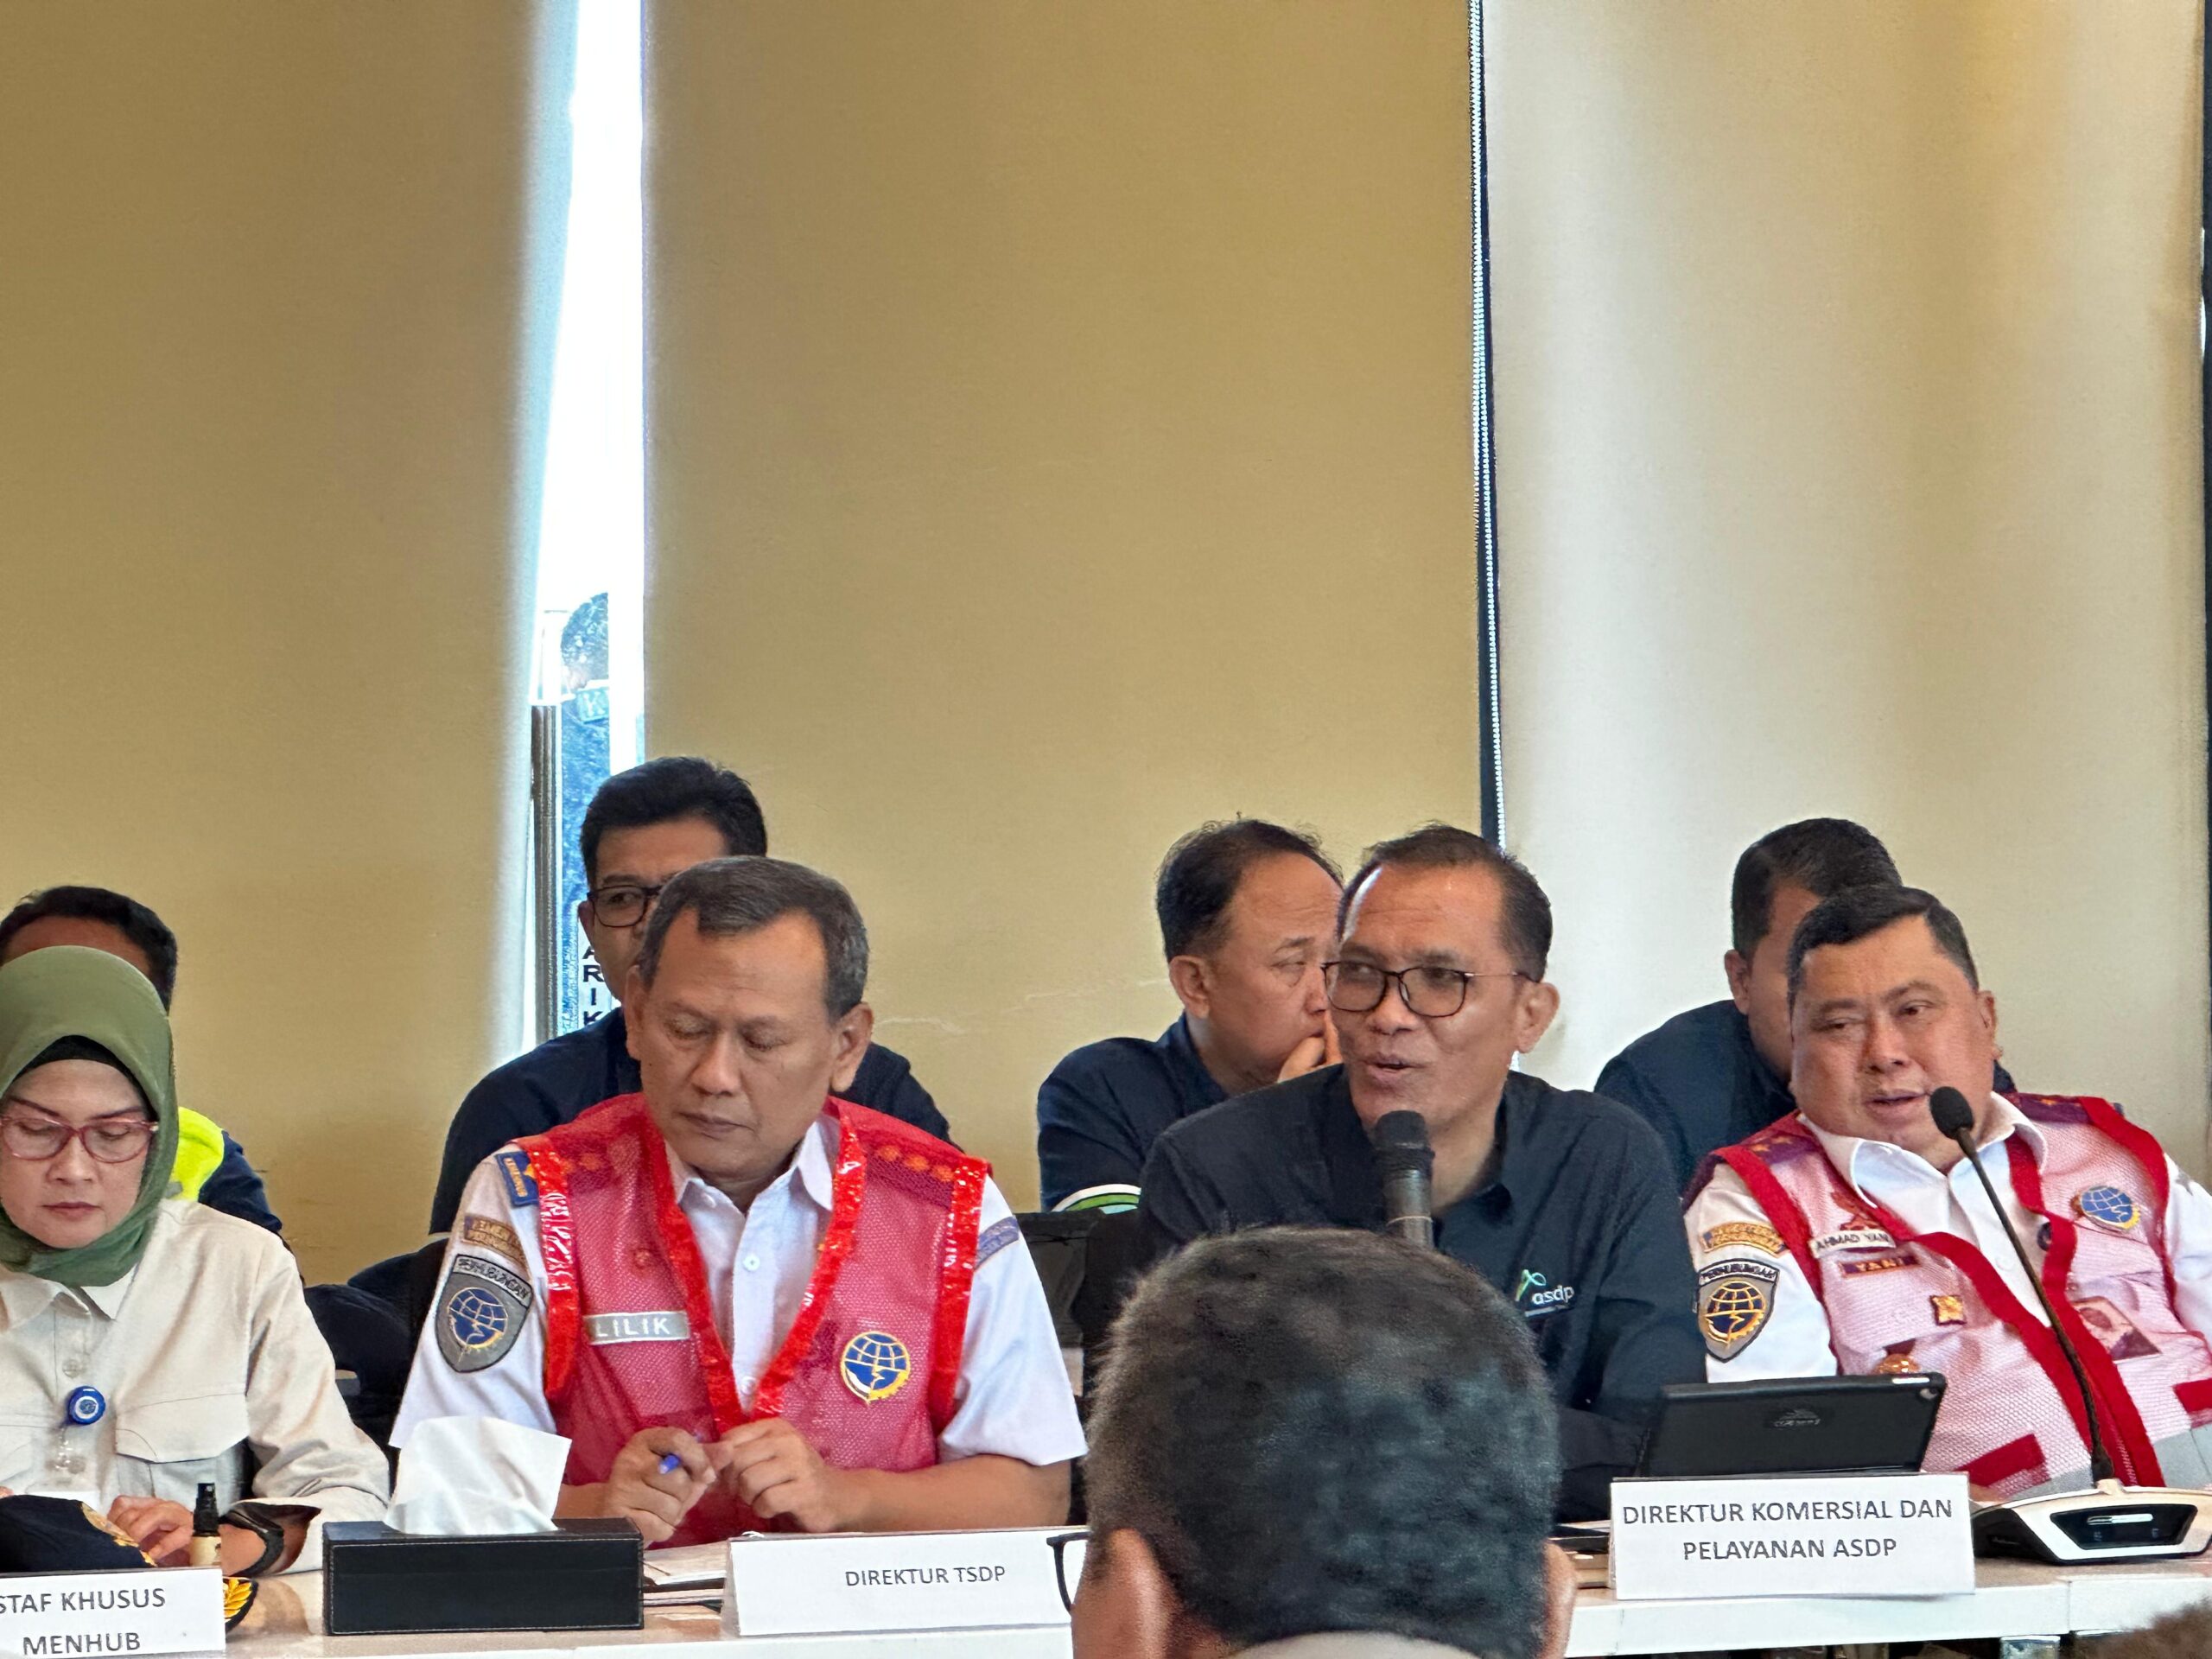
<point x="867" y="1372"/>
<point x="2012" y="1417"/>
<point x="198" y="1152"/>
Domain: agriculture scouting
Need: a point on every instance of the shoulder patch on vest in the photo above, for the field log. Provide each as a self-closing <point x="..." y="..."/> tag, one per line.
<point x="1757" y="1234"/>
<point x="514" y="1174"/>
<point x="481" y="1308"/>
<point x="483" y="1233"/>
<point x="996" y="1237"/>
<point x="1734" y="1299"/>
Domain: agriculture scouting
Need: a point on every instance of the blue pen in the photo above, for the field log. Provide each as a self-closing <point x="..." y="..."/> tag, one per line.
<point x="670" y="1463"/>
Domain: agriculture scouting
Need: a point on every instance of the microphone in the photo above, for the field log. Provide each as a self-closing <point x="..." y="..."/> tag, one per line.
<point x="1404" y="1160"/>
<point x="2111" y="1522"/>
<point x="1956" y="1119"/>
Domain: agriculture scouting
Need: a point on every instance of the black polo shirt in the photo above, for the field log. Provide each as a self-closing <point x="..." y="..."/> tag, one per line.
<point x="1104" y="1105"/>
<point x="545" y="1088"/>
<point x="1701" y="1082"/>
<point x="1576" y="1221"/>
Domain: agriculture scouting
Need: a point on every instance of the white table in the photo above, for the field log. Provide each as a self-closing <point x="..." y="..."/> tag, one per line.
<point x="2010" y="1598"/>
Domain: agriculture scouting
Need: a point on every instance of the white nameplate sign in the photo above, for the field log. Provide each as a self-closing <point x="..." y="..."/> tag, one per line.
<point x="1798" y="1535"/>
<point x="789" y="1583"/>
<point x="69" y="1615"/>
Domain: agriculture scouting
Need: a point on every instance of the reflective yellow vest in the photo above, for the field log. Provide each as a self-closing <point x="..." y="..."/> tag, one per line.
<point x="198" y="1152"/>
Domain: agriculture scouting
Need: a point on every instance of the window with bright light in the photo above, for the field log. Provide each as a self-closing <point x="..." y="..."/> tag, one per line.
<point x="590" y="656"/>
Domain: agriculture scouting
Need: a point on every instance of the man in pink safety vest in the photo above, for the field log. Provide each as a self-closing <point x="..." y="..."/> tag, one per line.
<point x="1852" y="1236"/>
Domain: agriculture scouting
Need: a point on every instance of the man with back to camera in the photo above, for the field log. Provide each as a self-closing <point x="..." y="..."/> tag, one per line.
<point x="1560" y="1199"/>
<point x="210" y="1166"/>
<point x="1246" y="909"/>
<point x="1853" y="1235"/>
<point x="744" y="1276"/>
<point x="1707" y="1078"/>
<point x="643" y="826"/>
<point x="1311" y="1445"/>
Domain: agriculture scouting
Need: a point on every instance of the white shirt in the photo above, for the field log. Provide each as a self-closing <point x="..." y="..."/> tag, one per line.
<point x="1795" y="1340"/>
<point x="203" y="1349"/>
<point x="1012" y="1400"/>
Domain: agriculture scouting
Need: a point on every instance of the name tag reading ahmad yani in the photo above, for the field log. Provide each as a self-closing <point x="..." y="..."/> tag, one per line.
<point x="1804" y="1535"/>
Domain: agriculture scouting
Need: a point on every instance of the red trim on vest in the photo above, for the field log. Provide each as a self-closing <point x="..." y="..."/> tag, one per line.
<point x="681" y="1245"/>
<point x="848" y="1182"/>
<point x="1781" y="1209"/>
<point x="956" y="1281"/>
<point x="2014" y="1457"/>
<point x="2116" y="1407"/>
<point x="2195" y="1398"/>
<point x="556" y="1248"/>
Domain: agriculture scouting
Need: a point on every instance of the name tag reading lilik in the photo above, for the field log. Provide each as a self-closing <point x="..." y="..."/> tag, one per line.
<point x="64" y="1615"/>
<point x="1799" y="1535"/>
<point x="789" y="1583"/>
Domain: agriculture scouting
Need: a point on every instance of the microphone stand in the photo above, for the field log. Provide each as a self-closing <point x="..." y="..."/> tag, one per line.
<point x="2111" y="1522"/>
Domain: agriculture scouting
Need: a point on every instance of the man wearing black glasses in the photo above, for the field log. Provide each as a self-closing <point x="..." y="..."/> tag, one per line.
<point x="1562" y="1199"/>
<point x="643" y="828"/>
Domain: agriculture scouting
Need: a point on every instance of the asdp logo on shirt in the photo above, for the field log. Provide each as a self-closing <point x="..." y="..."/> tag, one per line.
<point x="875" y="1365"/>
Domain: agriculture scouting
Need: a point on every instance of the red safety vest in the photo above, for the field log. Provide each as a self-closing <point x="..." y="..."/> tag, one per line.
<point x="867" y="1371"/>
<point x="2012" y="1417"/>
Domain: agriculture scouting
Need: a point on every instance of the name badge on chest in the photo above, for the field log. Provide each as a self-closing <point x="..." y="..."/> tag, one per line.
<point x="670" y="1325"/>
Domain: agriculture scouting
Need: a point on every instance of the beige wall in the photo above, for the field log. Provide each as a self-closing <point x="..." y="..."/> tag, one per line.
<point x="1847" y="417"/>
<point x="260" y="285"/>
<point x="1058" y="437"/>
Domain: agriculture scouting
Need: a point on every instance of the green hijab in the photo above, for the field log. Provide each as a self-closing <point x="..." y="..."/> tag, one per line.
<point x="65" y="990"/>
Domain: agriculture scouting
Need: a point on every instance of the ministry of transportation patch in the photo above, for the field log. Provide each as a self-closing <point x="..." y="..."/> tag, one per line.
<point x="481" y="1311"/>
<point x="1734" y="1301"/>
<point x="483" y="1233"/>
<point x="875" y="1365"/>
<point x="670" y="1325"/>
<point x="2109" y="1207"/>
<point x="514" y="1174"/>
<point x="1757" y="1234"/>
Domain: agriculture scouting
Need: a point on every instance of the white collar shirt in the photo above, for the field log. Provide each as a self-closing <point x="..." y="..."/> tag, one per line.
<point x="1012" y="1400"/>
<point x="202" y="1350"/>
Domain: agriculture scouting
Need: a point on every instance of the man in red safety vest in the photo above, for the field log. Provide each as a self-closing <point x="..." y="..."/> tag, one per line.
<point x="1853" y="1235"/>
<point x="748" y="1303"/>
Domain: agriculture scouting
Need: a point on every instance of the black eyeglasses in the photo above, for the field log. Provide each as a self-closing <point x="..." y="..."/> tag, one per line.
<point x="623" y="906"/>
<point x="1432" y="992"/>
<point x="1059" y="1542"/>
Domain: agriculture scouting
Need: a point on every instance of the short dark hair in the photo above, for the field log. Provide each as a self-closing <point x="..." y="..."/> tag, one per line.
<point x="1850" y="915"/>
<point x="742" y="895"/>
<point x="1387" y="1397"/>
<point x="676" y="786"/>
<point x="1526" y="923"/>
<point x="1822" y="856"/>
<point x="135" y="921"/>
<point x="1200" y="875"/>
<point x="2183" y="1635"/>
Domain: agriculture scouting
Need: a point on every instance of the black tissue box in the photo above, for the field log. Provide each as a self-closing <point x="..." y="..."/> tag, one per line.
<point x="589" y="1575"/>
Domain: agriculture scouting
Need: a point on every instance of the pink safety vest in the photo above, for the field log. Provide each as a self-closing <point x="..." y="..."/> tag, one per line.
<point x="867" y="1371"/>
<point x="2012" y="1418"/>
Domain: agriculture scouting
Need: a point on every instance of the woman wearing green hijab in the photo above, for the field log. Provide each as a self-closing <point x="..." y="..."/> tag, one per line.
<point x="148" y="1344"/>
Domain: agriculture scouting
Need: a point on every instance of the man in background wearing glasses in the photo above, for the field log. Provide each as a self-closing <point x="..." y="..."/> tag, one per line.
<point x="1563" y="1200"/>
<point x="643" y="828"/>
